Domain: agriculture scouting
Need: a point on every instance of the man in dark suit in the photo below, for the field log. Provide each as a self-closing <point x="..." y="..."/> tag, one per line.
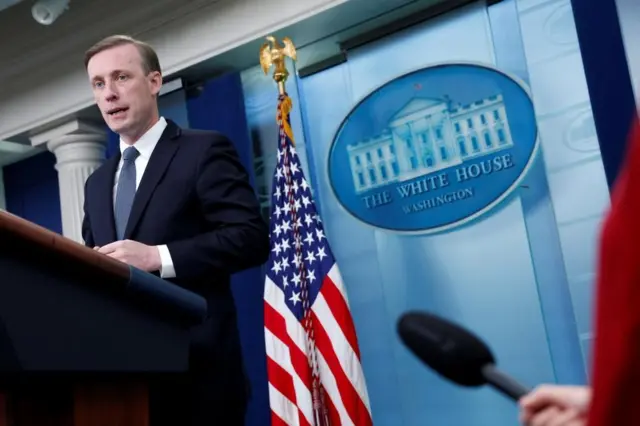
<point x="177" y="203"/>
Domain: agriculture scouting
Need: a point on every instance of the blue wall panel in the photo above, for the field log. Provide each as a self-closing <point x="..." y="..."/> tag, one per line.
<point x="31" y="190"/>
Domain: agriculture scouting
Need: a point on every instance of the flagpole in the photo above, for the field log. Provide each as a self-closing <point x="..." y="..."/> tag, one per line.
<point x="275" y="54"/>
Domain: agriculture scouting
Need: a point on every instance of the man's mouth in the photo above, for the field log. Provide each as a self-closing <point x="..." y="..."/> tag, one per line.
<point x="117" y="111"/>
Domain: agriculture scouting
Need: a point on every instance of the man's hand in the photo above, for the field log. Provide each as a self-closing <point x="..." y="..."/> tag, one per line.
<point x="134" y="253"/>
<point x="550" y="405"/>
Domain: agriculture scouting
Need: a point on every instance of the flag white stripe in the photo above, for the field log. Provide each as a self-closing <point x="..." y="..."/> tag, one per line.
<point x="275" y="297"/>
<point x="346" y="356"/>
<point x="336" y="277"/>
<point x="279" y="353"/>
<point x="331" y="387"/>
<point x="282" y="407"/>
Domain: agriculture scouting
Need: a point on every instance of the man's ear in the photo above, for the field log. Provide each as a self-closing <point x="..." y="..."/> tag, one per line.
<point x="155" y="81"/>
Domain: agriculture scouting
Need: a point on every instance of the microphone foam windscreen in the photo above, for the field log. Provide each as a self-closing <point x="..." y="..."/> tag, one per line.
<point x="447" y="348"/>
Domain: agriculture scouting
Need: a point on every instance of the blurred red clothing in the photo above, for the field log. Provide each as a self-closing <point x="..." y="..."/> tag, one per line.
<point x="616" y="363"/>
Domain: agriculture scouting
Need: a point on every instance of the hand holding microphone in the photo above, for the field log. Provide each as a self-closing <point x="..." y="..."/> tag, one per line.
<point x="460" y="356"/>
<point x="551" y="405"/>
<point x="455" y="353"/>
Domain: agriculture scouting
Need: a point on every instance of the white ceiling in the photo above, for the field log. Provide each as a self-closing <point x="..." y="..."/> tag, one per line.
<point x="317" y="38"/>
<point x="320" y="37"/>
<point x="5" y="4"/>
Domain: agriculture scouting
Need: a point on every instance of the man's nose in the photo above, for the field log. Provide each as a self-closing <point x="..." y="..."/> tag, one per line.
<point x="110" y="92"/>
<point x="111" y="96"/>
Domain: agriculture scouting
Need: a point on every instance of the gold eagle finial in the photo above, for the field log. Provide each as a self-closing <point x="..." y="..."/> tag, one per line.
<point x="275" y="54"/>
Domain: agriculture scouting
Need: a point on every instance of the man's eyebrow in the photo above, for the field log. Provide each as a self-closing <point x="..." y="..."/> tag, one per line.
<point x="112" y="73"/>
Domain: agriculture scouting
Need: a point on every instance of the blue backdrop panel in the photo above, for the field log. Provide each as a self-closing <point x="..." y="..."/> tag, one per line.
<point x="32" y="192"/>
<point x="575" y="169"/>
<point x="482" y="276"/>
<point x="537" y="204"/>
<point x="607" y="73"/>
<point x="515" y="276"/>
<point x="220" y="106"/>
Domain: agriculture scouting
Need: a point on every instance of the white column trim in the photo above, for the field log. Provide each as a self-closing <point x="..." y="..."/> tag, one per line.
<point x="79" y="148"/>
<point x="78" y="155"/>
<point x="70" y="127"/>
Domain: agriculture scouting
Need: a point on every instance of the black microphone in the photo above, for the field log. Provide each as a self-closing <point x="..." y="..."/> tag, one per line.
<point x="455" y="353"/>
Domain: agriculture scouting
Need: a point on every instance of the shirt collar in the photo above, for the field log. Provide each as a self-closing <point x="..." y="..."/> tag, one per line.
<point x="148" y="141"/>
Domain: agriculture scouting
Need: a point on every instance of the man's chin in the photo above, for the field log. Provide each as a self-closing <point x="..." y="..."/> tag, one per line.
<point x="117" y="126"/>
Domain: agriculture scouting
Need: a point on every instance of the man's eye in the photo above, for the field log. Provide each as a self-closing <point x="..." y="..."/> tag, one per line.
<point x="122" y="77"/>
<point x="98" y="84"/>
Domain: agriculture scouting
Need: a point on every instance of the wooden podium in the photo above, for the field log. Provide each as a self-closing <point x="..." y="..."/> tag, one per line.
<point x="81" y="334"/>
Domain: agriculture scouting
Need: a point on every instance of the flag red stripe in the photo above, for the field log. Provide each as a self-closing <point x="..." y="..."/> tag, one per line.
<point x="340" y="311"/>
<point x="277" y="325"/>
<point x="334" y="417"/>
<point x="281" y="380"/>
<point x="303" y="419"/>
<point x="277" y="421"/>
<point x="356" y="409"/>
<point x="283" y="383"/>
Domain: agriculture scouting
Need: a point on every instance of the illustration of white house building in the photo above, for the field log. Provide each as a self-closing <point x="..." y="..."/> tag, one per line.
<point x="428" y="135"/>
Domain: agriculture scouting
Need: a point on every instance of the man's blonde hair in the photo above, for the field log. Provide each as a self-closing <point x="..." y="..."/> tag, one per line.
<point x="149" y="57"/>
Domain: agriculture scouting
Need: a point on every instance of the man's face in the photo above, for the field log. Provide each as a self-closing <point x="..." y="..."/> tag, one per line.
<point x="125" y="95"/>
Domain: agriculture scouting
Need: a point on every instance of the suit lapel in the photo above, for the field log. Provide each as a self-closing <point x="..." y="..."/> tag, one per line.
<point x="104" y="218"/>
<point x="158" y="163"/>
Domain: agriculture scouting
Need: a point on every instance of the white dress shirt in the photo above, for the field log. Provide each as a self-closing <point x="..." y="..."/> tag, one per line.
<point x="145" y="146"/>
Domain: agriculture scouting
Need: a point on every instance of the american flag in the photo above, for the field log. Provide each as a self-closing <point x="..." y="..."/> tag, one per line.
<point x="313" y="358"/>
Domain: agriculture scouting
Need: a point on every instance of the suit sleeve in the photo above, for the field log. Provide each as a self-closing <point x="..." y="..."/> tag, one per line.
<point x="87" y="235"/>
<point x="237" y="237"/>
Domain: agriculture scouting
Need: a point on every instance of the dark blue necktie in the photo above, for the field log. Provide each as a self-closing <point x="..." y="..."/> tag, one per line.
<point x="126" y="190"/>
